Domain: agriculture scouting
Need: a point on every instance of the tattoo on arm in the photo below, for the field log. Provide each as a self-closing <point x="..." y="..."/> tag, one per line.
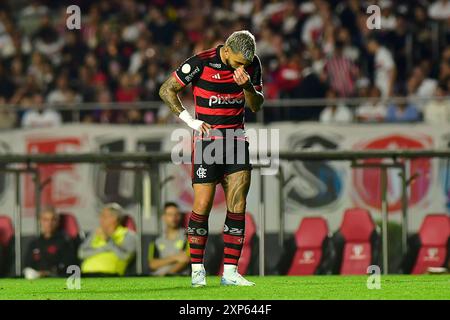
<point x="169" y="94"/>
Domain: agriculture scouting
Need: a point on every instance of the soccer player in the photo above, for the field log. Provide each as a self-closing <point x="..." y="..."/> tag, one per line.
<point x="223" y="79"/>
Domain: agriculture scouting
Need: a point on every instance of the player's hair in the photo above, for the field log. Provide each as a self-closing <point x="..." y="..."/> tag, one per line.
<point x="242" y="42"/>
<point x="116" y="209"/>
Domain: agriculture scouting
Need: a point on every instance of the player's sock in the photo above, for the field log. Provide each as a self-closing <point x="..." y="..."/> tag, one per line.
<point x="197" y="237"/>
<point x="233" y="238"/>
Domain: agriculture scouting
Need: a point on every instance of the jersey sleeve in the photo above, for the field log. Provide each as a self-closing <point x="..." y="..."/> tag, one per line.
<point x="256" y="74"/>
<point x="189" y="71"/>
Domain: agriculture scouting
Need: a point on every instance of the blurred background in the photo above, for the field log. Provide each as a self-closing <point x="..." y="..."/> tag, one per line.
<point x="330" y="83"/>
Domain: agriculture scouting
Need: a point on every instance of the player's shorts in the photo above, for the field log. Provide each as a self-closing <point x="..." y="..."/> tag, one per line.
<point x="212" y="160"/>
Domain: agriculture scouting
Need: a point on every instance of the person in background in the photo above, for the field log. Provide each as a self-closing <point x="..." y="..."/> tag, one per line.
<point x="8" y="117"/>
<point x="373" y="110"/>
<point x="385" y="68"/>
<point x="52" y="252"/>
<point x="438" y="109"/>
<point x="402" y="112"/>
<point x="40" y="117"/>
<point x="169" y="253"/>
<point x="335" y="112"/>
<point x="110" y="248"/>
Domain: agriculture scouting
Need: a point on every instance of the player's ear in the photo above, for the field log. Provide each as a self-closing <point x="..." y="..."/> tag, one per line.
<point x="226" y="51"/>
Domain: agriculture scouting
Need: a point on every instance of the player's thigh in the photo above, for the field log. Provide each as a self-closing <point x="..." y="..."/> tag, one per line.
<point x="203" y="197"/>
<point x="236" y="186"/>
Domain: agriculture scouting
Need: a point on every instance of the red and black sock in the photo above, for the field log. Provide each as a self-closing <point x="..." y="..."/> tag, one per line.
<point x="233" y="237"/>
<point x="197" y="236"/>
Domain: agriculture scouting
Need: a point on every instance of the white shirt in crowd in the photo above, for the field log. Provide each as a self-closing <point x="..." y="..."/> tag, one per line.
<point x="341" y="114"/>
<point x="425" y="90"/>
<point x="437" y="111"/>
<point x="439" y="10"/>
<point x="45" y="119"/>
<point x="371" y="112"/>
<point x="384" y="65"/>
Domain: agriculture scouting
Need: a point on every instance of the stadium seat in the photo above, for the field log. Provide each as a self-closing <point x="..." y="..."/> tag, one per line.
<point x="128" y="222"/>
<point x="357" y="243"/>
<point x="6" y="243"/>
<point x="309" y="251"/>
<point x="247" y="259"/>
<point x="430" y="246"/>
<point x="68" y="223"/>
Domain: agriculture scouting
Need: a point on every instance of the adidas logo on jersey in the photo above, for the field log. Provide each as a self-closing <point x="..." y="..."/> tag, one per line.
<point x="216" y="76"/>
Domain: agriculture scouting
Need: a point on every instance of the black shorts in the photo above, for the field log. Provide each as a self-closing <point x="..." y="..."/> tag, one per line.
<point x="212" y="160"/>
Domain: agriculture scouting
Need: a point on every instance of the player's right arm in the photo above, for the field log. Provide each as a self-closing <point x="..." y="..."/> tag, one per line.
<point x="185" y="73"/>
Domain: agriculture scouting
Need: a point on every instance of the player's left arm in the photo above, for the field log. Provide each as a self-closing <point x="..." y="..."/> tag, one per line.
<point x="252" y="85"/>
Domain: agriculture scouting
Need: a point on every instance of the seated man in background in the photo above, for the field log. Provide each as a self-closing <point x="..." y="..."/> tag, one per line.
<point x="52" y="252"/>
<point x="168" y="254"/>
<point x="109" y="249"/>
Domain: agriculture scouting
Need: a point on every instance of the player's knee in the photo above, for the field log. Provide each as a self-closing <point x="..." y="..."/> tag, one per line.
<point x="202" y="206"/>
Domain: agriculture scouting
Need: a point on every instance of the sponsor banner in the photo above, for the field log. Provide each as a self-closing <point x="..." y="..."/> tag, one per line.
<point x="311" y="188"/>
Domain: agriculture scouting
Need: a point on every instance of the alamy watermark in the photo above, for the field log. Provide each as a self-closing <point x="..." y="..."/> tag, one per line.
<point x="73" y="21"/>
<point x="229" y="146"/>
<point x="73" y="282"/>
<point x="374" y="20"/>
<point x="374" y="279"/>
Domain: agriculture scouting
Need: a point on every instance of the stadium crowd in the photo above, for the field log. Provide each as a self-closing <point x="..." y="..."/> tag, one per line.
<point x="309" y="49"/>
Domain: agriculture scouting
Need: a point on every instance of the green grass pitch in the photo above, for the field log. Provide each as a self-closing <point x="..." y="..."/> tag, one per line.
<point x="432" y="287"/>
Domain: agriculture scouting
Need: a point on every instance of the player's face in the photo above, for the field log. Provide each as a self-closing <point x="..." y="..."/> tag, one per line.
<point x="235" y="60"/>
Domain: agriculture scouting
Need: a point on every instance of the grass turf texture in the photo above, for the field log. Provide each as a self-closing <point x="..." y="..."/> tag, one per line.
<point x="270" y="288"/>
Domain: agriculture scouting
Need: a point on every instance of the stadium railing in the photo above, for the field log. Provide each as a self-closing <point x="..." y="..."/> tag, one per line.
<point x="75" y="109"/>
<point x="144" y="161"/>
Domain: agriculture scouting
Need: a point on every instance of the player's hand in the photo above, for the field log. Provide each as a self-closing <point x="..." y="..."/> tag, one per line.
<point x="195" y="124"/>
<point x="241" y="77"/>
<point x="200" y="126"/>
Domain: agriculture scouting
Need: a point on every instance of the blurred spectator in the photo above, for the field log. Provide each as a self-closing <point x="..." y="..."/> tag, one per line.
<point x="402" y="112"/>
<point x="8" y="117"/>
<point x="47" y="41"/>
<point x="420" y="86"/>
<point x="438" y="110"/>
<point x="52" y="252"/>
<point x="109" y="249"/>
<point x="288" y="76"/>
<point x="169" y="253"/>
<point x="439" y="10"/>
<point x="335" y="113"/>
<point x="62" y="94"/>
<point x="373" y="110"/>
<point x="385" y="71"/>
<point x="39" y="116"/>
<point x="342" y="72"/>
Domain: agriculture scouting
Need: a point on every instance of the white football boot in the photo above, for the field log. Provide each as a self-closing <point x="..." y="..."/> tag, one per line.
<point x="231" y="277"/>
<point x="198" y="275"/>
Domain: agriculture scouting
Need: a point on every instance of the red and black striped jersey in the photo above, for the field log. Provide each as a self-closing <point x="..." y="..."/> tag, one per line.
<point x="219" y="101"/>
